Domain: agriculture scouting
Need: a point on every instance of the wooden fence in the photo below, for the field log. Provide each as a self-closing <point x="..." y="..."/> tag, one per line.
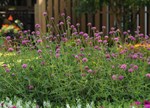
<point x="103" y="17"/>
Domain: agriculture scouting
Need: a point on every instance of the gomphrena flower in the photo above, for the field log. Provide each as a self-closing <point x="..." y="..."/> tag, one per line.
<point x="114" y="77"/>
<point x="146" y="104"/>
<point x="10" y="49"/>
<point x="148" y="75"/>
<point x="137" y="103"/>
<point x="44" y="13"/>
<point x="90" y="71"/>
<point x="7" y="69"/>
<point x="24" y="66"/>
<point x="39" y="51"/>
<point x="39" y="40"/>
<point x="123" y="66"/>
<point x="84" y="59"/>
<point x="8" y="37"/>
<point x="121" y="77"/>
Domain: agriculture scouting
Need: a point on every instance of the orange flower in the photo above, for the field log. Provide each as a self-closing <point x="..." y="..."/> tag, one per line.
<point x="10" y="18"/>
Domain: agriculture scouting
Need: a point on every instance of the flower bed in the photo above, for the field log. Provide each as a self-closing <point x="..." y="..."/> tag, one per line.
<point x="71" y="64"/>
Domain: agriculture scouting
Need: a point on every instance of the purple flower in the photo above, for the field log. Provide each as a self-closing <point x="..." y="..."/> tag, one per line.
<point x="45" y="13"/>
<point x="7" y="70"/>
<point x="148" y="75"/>
<point x="114" y="77"/>
<point x="130" y="70"/>
<point x="24" y="66"/>
<point x="89" y="24"/>
<point x="123" y="66"/>
<point x="146" y="104"/>
<point x="135" y="67"/>
<point x="137" y="103"/>
<point x="39" y="40"/>
<point x="93" y="28"/>
<point x="90" y="71"/>
<point x="4" y="65"/>
<point x="39" y="51"/>
<point x="121" y="77"/>
<point x="10" y="49"/>
<point x="76" y="56"/>
<point x="8" y="37"/>
<point x="57" y="55"/>
<point x="99" y="41"/>
<point x="86" y="68"/>
<point x="62" y="14"/>
<point x="84" y="59"/>
<point x="37" y="26"/>
<point x="61" y="23"/>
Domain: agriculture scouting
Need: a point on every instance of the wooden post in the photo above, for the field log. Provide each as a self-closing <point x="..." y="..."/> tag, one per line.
<point x="50" y="8"/>
<point x="40" y="7"/>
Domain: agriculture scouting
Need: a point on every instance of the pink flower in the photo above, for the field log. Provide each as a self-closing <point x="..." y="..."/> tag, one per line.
<point x="99" y="41"/>
<point x="10" y="49"/>
<point x="8" y="37"/>
<point x="137" y="103"/>
<point x="4" y="65"/>
<point x="135" y="67"/>
<point x="130" y="70"/>
<point x="114" y="77"/>
<point x="146" y="104"/>
<point x="86" y="68"/>
<point x="39" y="51"/>
<point x="57" y="55"/>
<point x="76" y="56"/>
<point x="7" y="70"/>
<point x="123" y="66"/>
<point x="39" y="41"/>
<point x="14" y="107"/>
<point x="121" y="77"/>
<point x="44" y="13"/>
<point x="24" y="66"/>
<point x="90" y="71"/>
<point x="148" y="75"/>
<point x="84" y="59"/>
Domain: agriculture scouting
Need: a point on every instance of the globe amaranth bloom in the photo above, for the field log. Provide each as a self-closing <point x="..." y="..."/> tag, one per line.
<point x="24" y="66"/>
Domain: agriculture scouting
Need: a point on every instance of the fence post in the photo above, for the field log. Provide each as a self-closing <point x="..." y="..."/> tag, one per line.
<point x="145" y="20"/>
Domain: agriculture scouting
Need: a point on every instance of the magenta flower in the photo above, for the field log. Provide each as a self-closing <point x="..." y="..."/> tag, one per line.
<point x="57" y="55"/>
<point x="114" y="77"/>
<point x="24" y="66"/>
<point x="148" y="75"/>
<point x="135" y="67"/>
<point x="7" y="70"/>
<point x="14" y="107"/>
<point x="76" y="56"/>
<point x="8" y="37"/>
<point x="146" y="104"/>
<point x="44" y="13"/>
<point x="4" y="65"/>
<point x="123" y="66"/>
<point x="84" y="59"/>
<point x="130" y="70"/>
<point x="121" y="77"/>
<point x="86" y="68"/>
<point x="90" y="71"/>
<point x="10" y="49"/>
<point x="39" y="41"/>
<point x="39" y="51"/>
<point x="137" y="103"/>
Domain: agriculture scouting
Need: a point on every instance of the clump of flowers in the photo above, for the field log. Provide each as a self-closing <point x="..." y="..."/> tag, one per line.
<point x="11" y="29"/>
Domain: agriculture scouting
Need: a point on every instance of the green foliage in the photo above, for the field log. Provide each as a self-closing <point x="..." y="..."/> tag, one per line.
<point x="76" y="66"/>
